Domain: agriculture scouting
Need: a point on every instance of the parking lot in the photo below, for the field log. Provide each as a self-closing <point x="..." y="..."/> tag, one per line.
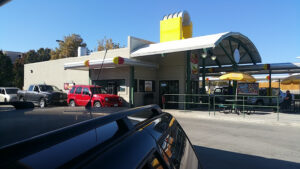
<point x="236" y="145"/>
<point x="219" y="142"/>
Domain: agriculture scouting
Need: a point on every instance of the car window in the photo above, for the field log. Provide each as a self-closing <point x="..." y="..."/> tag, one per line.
<point x="142" y="116"/>
<point x="30" y="88"/>
<point x="11" y="91"/>
<point x="98" y="90"/>
<point x="86" y="91"/>
<point x="2" y="91"/>
<point x="218" y="91"/>
<point x="36" y="89"/>
<point x="78" y="90"/>
<point x="72" y="90"/>
<point x="48" y="88"/>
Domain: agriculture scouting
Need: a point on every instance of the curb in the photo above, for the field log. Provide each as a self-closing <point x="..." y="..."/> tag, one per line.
<point x="193" y="115"/>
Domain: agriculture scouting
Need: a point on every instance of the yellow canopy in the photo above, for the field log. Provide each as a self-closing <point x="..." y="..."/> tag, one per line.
<point x="238" y="77"/>
<point x="295" y="79"/>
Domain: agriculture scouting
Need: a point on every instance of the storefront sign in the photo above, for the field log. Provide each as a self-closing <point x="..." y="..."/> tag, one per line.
<point x="248" y="88"/>
<point x="86" y="63"/>
<point x="194" y="67"/>
<point x="148" y="86"/>
<point x="118" y="60"/>
<point x="68" y="86"/>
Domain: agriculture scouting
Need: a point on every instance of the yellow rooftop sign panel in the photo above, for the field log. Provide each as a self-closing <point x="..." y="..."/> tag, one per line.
<point x="175" y="27"/>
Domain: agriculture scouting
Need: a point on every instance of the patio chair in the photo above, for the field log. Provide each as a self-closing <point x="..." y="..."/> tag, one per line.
<point x="223" y="108"/>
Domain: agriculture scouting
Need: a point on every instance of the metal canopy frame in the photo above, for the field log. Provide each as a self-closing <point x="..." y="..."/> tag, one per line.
<point x="240" y="43"/>
<point x="276" y="68"/>
<point x="227" y="54"/>
<point x="214" y="42"/>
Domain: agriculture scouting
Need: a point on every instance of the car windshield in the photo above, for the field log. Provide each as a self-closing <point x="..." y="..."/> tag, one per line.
<point x="98" y="90"/>
<point x="48" y="88"/>
<point x="12" y="91"/>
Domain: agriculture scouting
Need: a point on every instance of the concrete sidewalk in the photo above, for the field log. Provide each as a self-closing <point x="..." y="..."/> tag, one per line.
<point x="260" y="117"/>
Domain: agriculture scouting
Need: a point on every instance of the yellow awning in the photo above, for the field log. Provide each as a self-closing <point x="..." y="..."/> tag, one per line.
<point x="238" y="77"/>
<point x="295" y="79"/>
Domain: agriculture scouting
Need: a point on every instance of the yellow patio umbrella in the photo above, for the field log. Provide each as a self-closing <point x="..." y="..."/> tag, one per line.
<point x="294" y="79"/>
<point x="237" y="76"/>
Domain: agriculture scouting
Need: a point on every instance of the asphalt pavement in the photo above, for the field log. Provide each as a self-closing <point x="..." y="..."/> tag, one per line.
<point x="238" y="145"/>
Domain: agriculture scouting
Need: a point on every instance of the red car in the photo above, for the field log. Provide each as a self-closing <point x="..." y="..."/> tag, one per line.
<point x="81" y="95"/>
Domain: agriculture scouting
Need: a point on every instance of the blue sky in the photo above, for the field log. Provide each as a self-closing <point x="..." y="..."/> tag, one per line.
<point x="272" y="25"/>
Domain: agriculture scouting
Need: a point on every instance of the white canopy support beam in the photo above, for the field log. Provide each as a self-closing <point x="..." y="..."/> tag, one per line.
<point x="107" y="63"/>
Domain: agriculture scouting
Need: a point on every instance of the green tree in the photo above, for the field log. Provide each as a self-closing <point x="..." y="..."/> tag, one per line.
<point x="32" y="56"/>
<point x="107" y="44"/>
<point x="6" y="70"/>
<point x="18" y="70"/>
<point x="68" y="47"/>
<point x="44" y="54"/>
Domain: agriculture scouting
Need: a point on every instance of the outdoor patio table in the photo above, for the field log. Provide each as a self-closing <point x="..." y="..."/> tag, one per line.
<point x="234" y="103"/>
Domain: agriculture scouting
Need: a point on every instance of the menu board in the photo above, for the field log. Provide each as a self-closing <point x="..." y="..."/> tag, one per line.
<point x="148" y="86"/>
<point x="68" y="86"/>
<point x="194" y="67"/>
<point x="248" y="88"/>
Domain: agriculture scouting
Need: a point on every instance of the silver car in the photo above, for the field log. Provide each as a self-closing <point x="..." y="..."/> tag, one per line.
<point x="8" y="94"/>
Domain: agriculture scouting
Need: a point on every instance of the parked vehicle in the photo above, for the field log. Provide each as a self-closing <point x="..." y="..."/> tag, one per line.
<point x="8" y="94"/>
<point x="97" y="96"/>
<point x="143" y="138"/>
<point x="43" y="95"/>
<point x="219" y="94"/>
<point x="266" y="100"/>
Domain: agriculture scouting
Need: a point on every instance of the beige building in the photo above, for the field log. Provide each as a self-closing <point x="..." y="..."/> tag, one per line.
<point x="149" y="70"/>
<point x="145" y="72"/>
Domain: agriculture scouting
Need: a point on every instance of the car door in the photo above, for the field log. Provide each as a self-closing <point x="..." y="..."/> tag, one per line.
<point x="78" y="99"/>
<point x="36" y="94"/>
<point x="28" y="94"/>
<point x="85" y="96"/>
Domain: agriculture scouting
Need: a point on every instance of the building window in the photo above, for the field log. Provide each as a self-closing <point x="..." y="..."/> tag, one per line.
<point x="146" y="85"/>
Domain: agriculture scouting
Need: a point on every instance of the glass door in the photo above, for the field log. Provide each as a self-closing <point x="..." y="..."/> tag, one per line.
<point x="169" y="87"/>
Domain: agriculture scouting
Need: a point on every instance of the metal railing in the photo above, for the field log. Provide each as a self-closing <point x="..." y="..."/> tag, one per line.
<point x="240" y="103"/>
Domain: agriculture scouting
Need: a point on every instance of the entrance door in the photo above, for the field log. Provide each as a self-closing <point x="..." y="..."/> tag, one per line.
<point x="169" y="87"/>
<point x="112" y="88"/>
